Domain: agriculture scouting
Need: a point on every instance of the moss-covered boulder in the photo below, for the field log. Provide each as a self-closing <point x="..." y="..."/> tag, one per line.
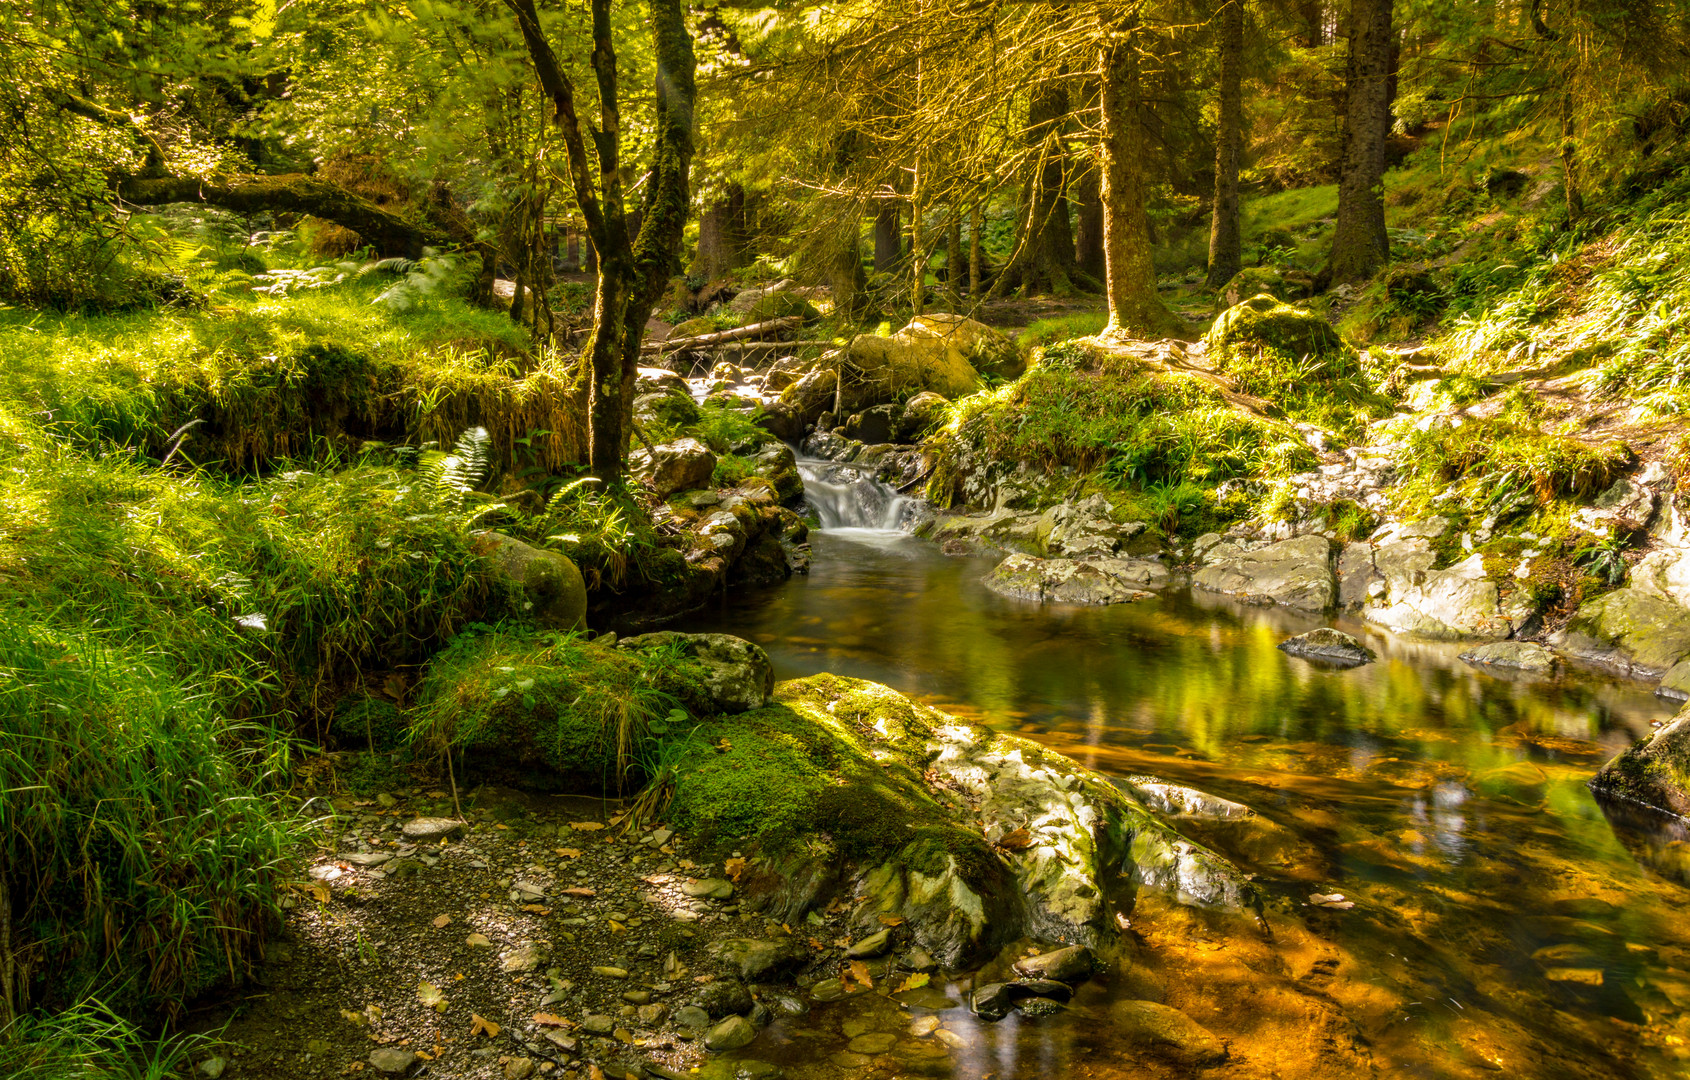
<point x="811" y="395"/>
<point x="1655" y="772"/>
<point x="554" y="593"/>
<point x="1295" y="359"/>
<point x="1250" y="282"/>
<point x="781" y="305"/>
<point x="736" y="674"/>
<point x="844" y="789"/>
<point x="1635" y="631"/>
<point x="703" y="324"/>
<point x="876" y="370"/>
<point x="988" y="351"/>
<point x="1266" y="322"/>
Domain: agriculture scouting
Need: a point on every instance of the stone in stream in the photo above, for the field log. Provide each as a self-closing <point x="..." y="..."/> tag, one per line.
<point x="1329" y="646"/>
<point x="1655" y="771"/>
<point x="1675" y="684"/>
<point x="1642" y="630"/>
<point x="391" y="1060"/>
<point x="731" y="1034"/>
<point x="1045" y="988"/>
<point x="721" y="997"/>
<point x="869" y="948"/>
<point x="1165" y="1029"/>
<point x="758" y="960"/>
<point x="1036" y="1008"/>
<point x="1071" y="964"/>
<point x="1515" y="655"/>
<point x="1296" y="573"/>
<point x="1096" y="579"/>
<point x="692" y="1018"/>
<point x="432" y="828"/>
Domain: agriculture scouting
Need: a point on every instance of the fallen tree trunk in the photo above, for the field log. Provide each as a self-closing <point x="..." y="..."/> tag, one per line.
<point x="738" y="333"/>
<point x="294" y="193"/>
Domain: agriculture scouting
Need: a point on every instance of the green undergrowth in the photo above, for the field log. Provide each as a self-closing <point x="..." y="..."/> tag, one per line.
<point x="1166" y="438"/>
<point x="91" y="1041"/>
<point x="554" y="706"/>
<point x="1062" y="328"/>
<point x="272" y="378"/>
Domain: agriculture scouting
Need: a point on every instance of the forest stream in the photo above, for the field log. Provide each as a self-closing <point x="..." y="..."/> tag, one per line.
<point x="1500" y="916"/>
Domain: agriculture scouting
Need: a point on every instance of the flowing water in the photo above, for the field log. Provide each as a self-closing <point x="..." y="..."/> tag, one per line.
<point x="1503" y="921"/>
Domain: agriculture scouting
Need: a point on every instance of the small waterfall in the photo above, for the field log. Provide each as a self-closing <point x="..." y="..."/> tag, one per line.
<point x="844" y="497"/>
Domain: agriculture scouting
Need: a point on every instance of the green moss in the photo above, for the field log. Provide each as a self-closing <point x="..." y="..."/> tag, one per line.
<point x="1297" y="361"/>
<point x="556" y="703"/>
<point x="1504" y="466"/>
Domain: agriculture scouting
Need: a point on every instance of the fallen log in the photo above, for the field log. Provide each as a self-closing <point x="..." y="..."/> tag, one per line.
<point x="738" y="333"/>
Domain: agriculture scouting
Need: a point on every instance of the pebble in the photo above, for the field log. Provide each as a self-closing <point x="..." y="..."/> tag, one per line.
<point x="211" y="1068"/>
<point x="730" y="1034"/>
<point x="367" y="858"/>
<point x="598" y="1024"/>
<point x="392" y="1060"/>
<point x="828" y="990"/>
<point x="611" y="972"/>
<point x="691" y="1016"/>
<point x="519" y="1068"/>
<point x="875" y="1043"/>
<point x="714" y="888"/>
<point x="875" y="945"/>
<point x="431" y="828"/>
<point x="950" y="1038"/>
<point x="924" y="1025"/>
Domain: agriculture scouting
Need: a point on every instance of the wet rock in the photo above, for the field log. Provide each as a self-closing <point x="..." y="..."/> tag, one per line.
<point x="920" y="413"/>
<point x="1096" y="580"/>
<point x="992" y="1001"/>
<point x="875" y="1042"/>
<point x="1356" y="575"/>
<point x="1517" y="655"/>
<point x="1330" y="646"/>
<point x="812" y="395"/>
<point x="779" y="1000"/>
<point x="1675" y="684"/>
<point x="758" y="960"/>
<point x="431" y="828"/>
<point x="720" y="997"/>
<point x="675" y="466"/>
<point x="876" y="424"/>
<point x="1296" y="573"/>
<point x="731" y="1034"/>
<point x="1166" y="798"/>
<point x="711" y="888"/>
<point x="692" y="1018"/>
<point x="737" y="674"/>
<point x="777" y="464"/>
<point x="875" y="945"/>
<point x="552" y="586"/>
<point x="828" y="990"/>
<point x="1167" y="1030"/>
<point x="1654" y="772"/>
<point x="392" y="1060"/>
<point x="1642" y="630"/>
<point x="1441" y="605"/>
<point x="919" y="959"/>
<point x="1071" y="964"/>
<point x="1036" y="1008"/>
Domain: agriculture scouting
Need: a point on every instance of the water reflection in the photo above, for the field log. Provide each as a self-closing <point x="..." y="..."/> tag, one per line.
<point x="1503" y="919"/>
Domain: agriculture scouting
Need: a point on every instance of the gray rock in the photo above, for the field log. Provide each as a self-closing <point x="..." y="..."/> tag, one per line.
<point x="875" y="945"/>
<point x="392" y="1060"/>
<point x="1655" y="771"/>
<point x="692" y="1018"/>
<point x="1166" y="798"/>
<point x="731" y="1034"/>
<point x="992" y="1001"/>
<point x="1517" y="655"/>
<point x="598" y="1024"/>
<point x="1296" y="573"/>
<point x="713" y="888"/>
<point x="1356" y="575"/>
<point x="1167" y="1030"/>
<point x="1329" y="645"/>
<point x="552" y="586"/>
<point x="1675" y="684"/>
<point x="1093" y="580"/>
<point x="1088" y="528"/>
<point x="1442" y="605"/>
<point x="525" y="957"/>
<point x="1071" y="964"/>
<point x="737" y="673"/>
<point x="676" y="466"/>
<point x="212" y="1067"/>
<point x="777" y="464"/>
<point x="919" y="959"/>
<point x="366" y="858"/>
<point x="720" y="997"/>
<point x="757" y="960"/>
<point x="431" y="828"/>
<point x="1634" y="631"/>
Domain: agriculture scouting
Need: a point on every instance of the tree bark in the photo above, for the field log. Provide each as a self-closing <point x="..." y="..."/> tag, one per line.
<point x="1359" y="244"/>
<point x="1088" y="235"/>
<point x="953" y="257"/>
<point x="633" y="269"/>
<point x="888" y="238"/>
<point x="1226" y="242"/>
<point x="721" y="236"/>
<point x="1129" y="277"/>
<point x="1044" y="259"/>
<point x="976" y="215"/>
<point x="1313" y="13"/>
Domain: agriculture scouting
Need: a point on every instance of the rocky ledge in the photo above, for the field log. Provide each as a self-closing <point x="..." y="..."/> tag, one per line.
<point x="1654" y="772"/>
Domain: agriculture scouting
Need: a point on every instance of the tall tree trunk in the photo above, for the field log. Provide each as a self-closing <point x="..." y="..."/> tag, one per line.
<point x="1129" y="277"/>
<point x="1359" y="243"/>
<point x="1088" y="234"/>
<point x="1047" y="258"/>
<point x="918" y="244"/>
<point x="633" y="268"/>
<point x="888" y="238"/>
<point x="953" y="257"/>
<point x="1313" y="15"/>
<point x="976" y="216"/>
<point x="721" y="236"/>
<point x="1226" y="242"/>
<point x="845" y="272"/>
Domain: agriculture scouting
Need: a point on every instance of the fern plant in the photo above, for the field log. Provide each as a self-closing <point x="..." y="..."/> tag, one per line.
<point x="451" y="480"/>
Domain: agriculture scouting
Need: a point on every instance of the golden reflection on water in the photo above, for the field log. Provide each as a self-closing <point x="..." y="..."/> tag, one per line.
<point x="1503" y="921"/>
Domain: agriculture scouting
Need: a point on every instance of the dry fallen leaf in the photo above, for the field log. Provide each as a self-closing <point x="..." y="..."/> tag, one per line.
<point x="430" y="995"/>
<point x="442" y="921"/>
<point x="616" y="927"/>
<point x="321" y="892"/>
<point x="734" y="867"/>
<point x="579" y="891"/>
<point x="425" y="1055"/>
<point x="546" y="1019"/>
<point x="586" y="826"/>
<point x="859" y="972"/>
<point x="914" y="982"/>
<point x="892" y="920"/>
<point x="1018" y="840"/>
<point x="480" y="1025"/>
<point x="537" y="909"/>
<point x="595" y="1073"/>
<point x="568" y="852"/>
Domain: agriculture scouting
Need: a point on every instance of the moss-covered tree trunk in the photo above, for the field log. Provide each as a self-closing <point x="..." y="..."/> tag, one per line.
<point x="1129" y="277"/>
<point x="633" y="268"/>
<point x="888" y="238"/>
<point x="1226" y="242"/>
<point x="1359" y="243"/>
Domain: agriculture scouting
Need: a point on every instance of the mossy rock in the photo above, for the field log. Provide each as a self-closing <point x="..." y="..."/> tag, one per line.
<point x="704" y="324"/>
<point x="554" y="592"/>
<point x="847" y="789"/>
<point x="367" y="722"/>
<point x="782" y="305"/>
<point x="1655" y="772"/>
<point x="1253" y="281"/>
<point x="672" y="411"/>
<point x="1265" y="321"/>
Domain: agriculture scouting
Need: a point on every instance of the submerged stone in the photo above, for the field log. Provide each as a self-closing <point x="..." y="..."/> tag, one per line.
<point x="1329" y="645"/>
<point x="1518" y="655"/>
<point x="1071" y="964"/>
<point x="730" y="1034"/>
<point x="1167" y="1030"/>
